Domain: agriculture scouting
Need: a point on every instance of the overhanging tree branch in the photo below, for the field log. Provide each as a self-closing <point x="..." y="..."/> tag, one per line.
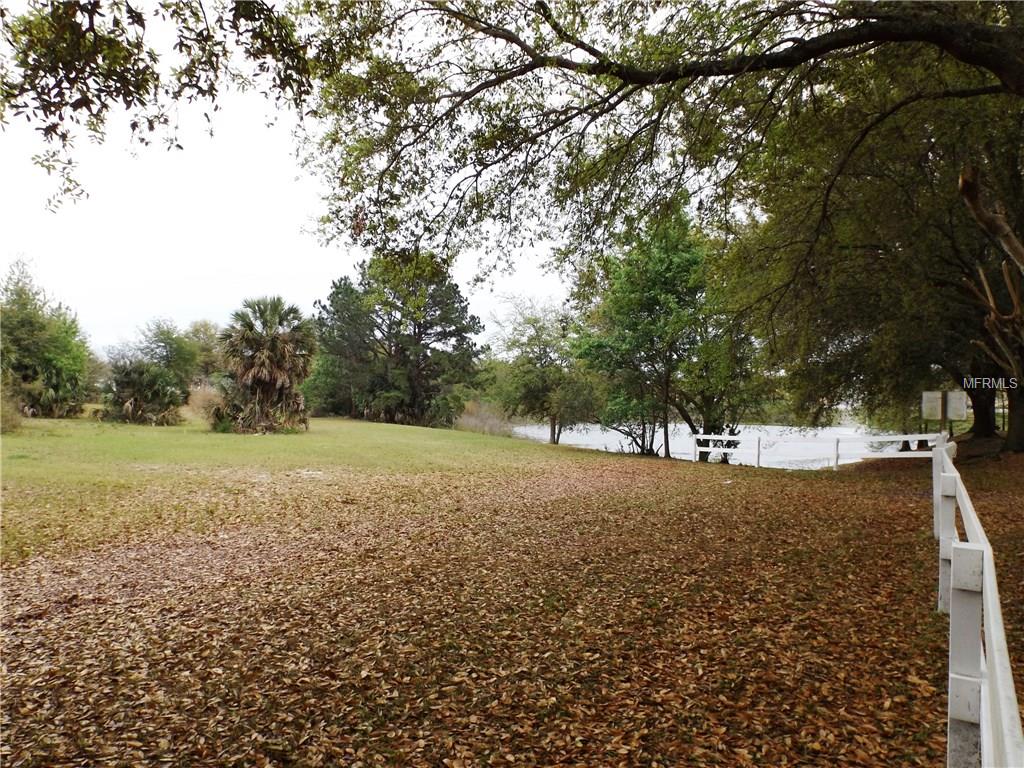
<point x="996" y="49"/>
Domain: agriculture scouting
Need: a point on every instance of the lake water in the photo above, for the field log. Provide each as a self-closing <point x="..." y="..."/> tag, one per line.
<point x="781" y="447"/>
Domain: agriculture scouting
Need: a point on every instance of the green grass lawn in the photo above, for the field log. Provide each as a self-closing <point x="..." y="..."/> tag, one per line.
<point x="365" y="594"/>
<point x="90" y="451"/>
<point x="82" y="482"/>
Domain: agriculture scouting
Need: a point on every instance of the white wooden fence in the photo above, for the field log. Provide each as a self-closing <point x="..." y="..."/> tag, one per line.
<point x="718" y="443"/>
<point x="983" y="719"/>
<point x="984" y="725"/>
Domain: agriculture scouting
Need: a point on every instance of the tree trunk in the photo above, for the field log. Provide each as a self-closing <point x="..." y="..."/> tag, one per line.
<point x="1015" y="420"/>
<point x="983" y="404"/>
<point x="552" y="434"/>
<point x="712" y="427"/>
<point x="983" y="400"/>
<point x="704" y="453"/>
<point x="664" y="427"/>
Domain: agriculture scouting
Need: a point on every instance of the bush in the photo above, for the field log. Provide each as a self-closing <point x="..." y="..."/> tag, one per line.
<point x="47" y="365"/>
<point x="142" y="392"/>
<point x="484" y="418"/>
<point x="241" y="410"/>
<point x="222" y="424"/>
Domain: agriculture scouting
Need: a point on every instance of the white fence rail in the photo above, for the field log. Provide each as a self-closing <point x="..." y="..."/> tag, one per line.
<point x="984" y="725"/>
<point x="726" y="444"/>
<point x="984" y="722"/>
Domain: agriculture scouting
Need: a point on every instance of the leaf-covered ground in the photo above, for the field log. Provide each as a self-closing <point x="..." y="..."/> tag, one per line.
<point x="490" y="603"/>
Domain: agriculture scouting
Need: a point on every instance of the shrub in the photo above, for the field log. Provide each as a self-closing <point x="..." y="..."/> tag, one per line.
<point x="47" y="365"/>
<point x="143" y="392"/>
<point x="240" y="409"/>
<point x="222" y="423"/>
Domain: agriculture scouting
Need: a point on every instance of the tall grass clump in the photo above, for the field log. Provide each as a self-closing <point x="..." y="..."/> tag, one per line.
<point x="203" y="399"/>
<point x="485" y="418"/>
<point x="10" y="416"/>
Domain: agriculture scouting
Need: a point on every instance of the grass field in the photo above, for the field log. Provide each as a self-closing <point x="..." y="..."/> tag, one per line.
<point x="377" y="595"/>
<point x="74" y="483"/>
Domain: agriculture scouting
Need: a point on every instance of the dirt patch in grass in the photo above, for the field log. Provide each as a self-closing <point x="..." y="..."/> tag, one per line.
<point x="585" y="612"/>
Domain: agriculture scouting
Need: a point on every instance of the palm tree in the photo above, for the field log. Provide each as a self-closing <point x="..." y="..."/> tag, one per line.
<point x="268" y="349"/>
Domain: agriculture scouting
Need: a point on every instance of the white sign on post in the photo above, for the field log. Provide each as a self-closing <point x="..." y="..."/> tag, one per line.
<point x="956" y="405"/>
<point x="931" y="406"/>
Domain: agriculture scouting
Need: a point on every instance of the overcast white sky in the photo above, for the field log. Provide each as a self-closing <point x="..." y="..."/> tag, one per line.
<point x="188" y="235"/>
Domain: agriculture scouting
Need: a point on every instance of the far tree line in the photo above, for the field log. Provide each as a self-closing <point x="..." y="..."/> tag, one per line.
<point x="254" y="366"/>
<point x="650" y="337"/>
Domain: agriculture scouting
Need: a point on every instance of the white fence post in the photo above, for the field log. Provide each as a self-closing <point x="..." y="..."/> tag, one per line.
<point x="937" y="452"/>
<point x="757" y="456"/>
<point x="694" y="448"/>
<point x="965" y="655"/>
<point x="947" y="536"/>
<point x="835" y="457"/>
